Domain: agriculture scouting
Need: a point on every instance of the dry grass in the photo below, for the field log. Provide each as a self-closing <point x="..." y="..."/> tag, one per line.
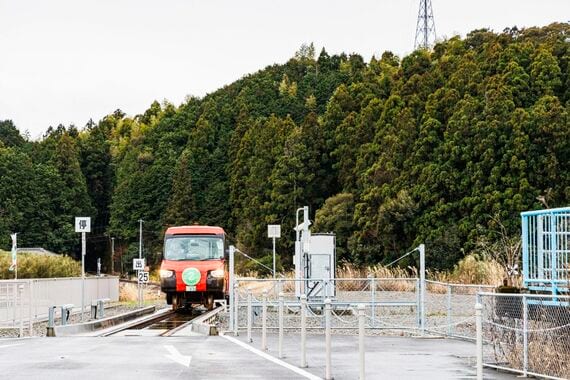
<point x="548" y="351"/>
<point x="470" y="270"/>
<point x="128" y="292"/>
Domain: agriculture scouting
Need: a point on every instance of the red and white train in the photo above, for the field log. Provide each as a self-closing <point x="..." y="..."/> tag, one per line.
<point x="194" y="266"/>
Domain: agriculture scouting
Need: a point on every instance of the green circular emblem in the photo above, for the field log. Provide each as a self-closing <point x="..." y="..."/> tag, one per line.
<point x="191" y="276"/>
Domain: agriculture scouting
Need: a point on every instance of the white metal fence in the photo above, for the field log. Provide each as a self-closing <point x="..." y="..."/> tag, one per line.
<point x="527" y="333"/>
<point x="24" y="302"/>
<point x="390" y="304"/>
<point x="12" y="305"/>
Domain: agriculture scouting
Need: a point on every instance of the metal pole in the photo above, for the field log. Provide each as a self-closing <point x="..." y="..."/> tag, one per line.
<point x="328" y="375"/>
<point x="112" y="255"/>
<point x="16" y="268"/>
<point x="361" y="321"/>
<point x="249" y="316"/>
<point x="264" y="322"/>
<point x="425" y="25"/>
<point x="274" y="258"/>
<point x="236" y="309"/>
<point x="422" y="249"/>
<point x="373" y="296"/>
<point x="303" y="330"/>
<point x="51" y="316"/>
<point x="31" y="295"/>
<point x="14" y="302"/>
<point x="449" y="326"/>
<point x="418" y="306"/>
<point x="525" y="335"/>
<point x="231" y="286"/>
<point x="479" y="327"/>
<point x="298" y="258"/>
<point x="140" y="257"/>
<point x="83" y="248"/>
<point x="20" y="291"/>
<point x="281" y="302"/>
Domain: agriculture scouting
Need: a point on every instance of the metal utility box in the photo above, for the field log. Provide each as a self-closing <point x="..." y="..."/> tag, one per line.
<point x="321" y="265"/>
<point x="546" y="250"/>
<point x="314" y="259"/>
<point x="316" y="266"/>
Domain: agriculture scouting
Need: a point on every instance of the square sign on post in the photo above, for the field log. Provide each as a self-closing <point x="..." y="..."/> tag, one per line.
<point x="143" y="277"/>
<point x="138" y="264"/>
<point x="82" y="224"/>
<point x="274" y="231"/>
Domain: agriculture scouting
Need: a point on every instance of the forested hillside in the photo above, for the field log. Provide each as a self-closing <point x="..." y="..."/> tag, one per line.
<point x="434" y="147"/>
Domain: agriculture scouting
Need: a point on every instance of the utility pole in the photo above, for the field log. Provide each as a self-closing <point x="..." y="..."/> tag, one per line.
<point x="425" y="26"/>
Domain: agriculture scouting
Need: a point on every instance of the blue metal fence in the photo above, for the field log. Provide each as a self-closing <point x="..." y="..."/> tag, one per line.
<point x="546" y="250"/>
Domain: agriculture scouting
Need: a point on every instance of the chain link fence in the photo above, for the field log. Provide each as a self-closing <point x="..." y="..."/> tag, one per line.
<point x="525" y="333"/>
<point x="449" y="308"/>
<point x="391" y="304"/>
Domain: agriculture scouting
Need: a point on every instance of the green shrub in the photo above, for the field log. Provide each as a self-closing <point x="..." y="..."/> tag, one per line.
<point x="39" y="266"/>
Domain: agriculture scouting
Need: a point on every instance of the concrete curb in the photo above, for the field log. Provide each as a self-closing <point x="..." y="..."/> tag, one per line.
<point x="98" y="324"/>
<point x="202" y="325"/>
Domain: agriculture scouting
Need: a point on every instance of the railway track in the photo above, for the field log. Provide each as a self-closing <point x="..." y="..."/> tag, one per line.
<point x="161" y="324"/>
<point x="166" y="323"/>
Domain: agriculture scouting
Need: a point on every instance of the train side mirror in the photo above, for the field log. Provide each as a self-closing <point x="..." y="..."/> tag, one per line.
<point x="226" y="253"/>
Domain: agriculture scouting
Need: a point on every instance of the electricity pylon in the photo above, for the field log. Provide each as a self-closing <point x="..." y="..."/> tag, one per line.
<point x="425" y="27"/>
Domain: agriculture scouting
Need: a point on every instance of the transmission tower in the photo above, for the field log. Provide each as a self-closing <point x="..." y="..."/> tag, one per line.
<point x="425" y="27"/>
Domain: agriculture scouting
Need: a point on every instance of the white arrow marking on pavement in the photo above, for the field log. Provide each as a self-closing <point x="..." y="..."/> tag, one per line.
<point x="177" y="356"/>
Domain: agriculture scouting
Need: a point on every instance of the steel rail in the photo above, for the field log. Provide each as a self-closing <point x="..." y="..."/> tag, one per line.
<point x="153" y="318"/>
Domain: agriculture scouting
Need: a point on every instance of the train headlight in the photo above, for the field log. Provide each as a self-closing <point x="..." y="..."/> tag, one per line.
<point x="165" y="273"/>
<point x="218" y="273"/>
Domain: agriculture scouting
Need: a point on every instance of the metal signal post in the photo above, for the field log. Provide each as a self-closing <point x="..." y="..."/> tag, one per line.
<point x="83" y="249"/>
<point x="140" y="289"/>
<point x="83" y="225"/>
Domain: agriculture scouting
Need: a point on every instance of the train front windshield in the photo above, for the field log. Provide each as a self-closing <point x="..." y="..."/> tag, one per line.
<point x="192" y="247"/>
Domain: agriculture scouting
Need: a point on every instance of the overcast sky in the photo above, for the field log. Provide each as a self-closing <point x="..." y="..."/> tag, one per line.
<point x="65" y="61"/>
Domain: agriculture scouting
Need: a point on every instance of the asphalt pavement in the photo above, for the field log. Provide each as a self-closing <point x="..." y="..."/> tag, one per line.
<point x="216" y="357"/>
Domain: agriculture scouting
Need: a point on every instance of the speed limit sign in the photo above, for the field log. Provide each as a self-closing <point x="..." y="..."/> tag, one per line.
<point x="143" y="277"/>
